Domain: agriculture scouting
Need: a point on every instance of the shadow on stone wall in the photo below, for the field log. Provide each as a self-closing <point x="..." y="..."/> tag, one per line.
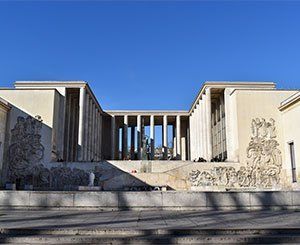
<point x="125" y="200"/>
<point x="68" y="176"/>
<point x="27" y="146"/>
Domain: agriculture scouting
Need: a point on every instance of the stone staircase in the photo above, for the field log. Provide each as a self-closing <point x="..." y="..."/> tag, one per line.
<point x="151" y="236"/>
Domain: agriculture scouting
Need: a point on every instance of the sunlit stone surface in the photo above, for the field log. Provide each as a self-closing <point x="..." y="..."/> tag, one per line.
<point x="235" y="136"/>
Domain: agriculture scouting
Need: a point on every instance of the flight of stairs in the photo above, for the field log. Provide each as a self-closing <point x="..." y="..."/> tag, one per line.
<point x="153" y="236"/>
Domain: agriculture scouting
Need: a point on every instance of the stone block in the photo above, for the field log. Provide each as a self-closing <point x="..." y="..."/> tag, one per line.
<point x="140" y="199"/>
<point x="96" y="199"/>
<point x="28" y="187"/>
<point x="296" y="198"/>
<point x="184" y="199"/>
<point x="89" y="188"/>
<point x="38" y="199"/>
<point x="270" y="198"/>
<point x="60" y="199"/>
<point x="223" y="200"/>
<point x="14" y="198"/>
<point x="10" y="186"/>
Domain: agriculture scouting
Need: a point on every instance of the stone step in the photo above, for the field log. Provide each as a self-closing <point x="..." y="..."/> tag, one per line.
<point x="140" y="232"/>
<point x="150" y="239"/>
<point x="162" y="236"/>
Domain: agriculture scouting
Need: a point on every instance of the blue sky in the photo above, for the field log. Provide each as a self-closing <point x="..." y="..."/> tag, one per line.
<point x="150" y="55"/>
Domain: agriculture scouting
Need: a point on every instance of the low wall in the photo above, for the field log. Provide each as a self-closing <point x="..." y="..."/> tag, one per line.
<point x="122" y="175"/>
<point x="153" y="200"/>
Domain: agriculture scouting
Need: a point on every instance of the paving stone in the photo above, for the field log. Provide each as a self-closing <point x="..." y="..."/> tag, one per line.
<point x="96" y="199"/>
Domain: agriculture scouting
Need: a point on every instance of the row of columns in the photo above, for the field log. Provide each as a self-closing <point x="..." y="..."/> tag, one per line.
<point x="140" y="135"/>
<point x="219" y="129"/>
<point x="89" y="128"/>
<point x="200" y="126"/>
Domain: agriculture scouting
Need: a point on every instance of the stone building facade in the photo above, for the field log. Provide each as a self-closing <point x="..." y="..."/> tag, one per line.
<point x="236" y="134"/>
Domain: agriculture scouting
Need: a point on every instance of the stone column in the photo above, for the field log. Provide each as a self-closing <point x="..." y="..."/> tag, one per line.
<point x="165" y="137"/>
<point x="90" y="129"/>
<point x="86" y="127"/>
<point x="95" y="145"/>
<point x="202" y="129"/>
<point x="81" y="124"/>
<point x="208" y="118"/>
<point x="188" y="141"/>
<point x="113" y="137"/>
<point x="218" y="129"/>
<point x="93" y="131"/>
<point x="100" y="136"/>
<point x="222" y="138"/>
<point x="117" y="138"/>
<point x="191" y="137"/>
<point x="67" y="131"/>
<point x="205" y="128"/>
<point x="178" y="137"/>
<point x="125" y="138"/>
<point x="174" y="141"/>
<point x="139" y="136"/>
<point x="184" y="140"/>
<point x="197" y="126"/>
<point x="152" y="136"/>
<point x="96" y="138"/>
<point x="132" y="132"/>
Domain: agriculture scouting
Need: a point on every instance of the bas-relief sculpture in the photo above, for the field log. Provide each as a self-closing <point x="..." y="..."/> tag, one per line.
<point x="26" y="161"/>
<point x="263" y="166"/>
<point x="26" y="154"/>
<point x="26" y="151"/>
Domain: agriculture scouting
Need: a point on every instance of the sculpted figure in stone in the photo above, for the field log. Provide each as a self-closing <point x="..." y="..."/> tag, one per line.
<point x="264" y="163"/>
<point x="26" y="151"/>
<point x="91" y="179"/>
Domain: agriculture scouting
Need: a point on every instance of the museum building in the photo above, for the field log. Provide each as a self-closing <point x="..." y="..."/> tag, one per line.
<point x="235" y="134"/>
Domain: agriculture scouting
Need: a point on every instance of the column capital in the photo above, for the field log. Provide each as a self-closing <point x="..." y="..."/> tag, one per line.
<point x="207" y="90"/>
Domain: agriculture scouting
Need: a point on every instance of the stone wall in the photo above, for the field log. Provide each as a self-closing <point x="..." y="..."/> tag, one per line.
<point x="261" y="105"/>
<point x="3" y="139"/>
<point x="291" y="133"/>
<point x="152" y="200"/>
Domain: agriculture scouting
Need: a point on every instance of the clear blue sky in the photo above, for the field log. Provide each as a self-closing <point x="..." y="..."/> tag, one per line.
<point x="150" y="55"/>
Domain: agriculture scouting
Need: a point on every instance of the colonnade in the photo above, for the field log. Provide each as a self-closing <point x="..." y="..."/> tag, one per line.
<point x="83" y="128"/>
<point x="90" y="128"/>
<point x="137" y="132"/>
<point x="200" y="128"/>
<point x="219" y="129"/>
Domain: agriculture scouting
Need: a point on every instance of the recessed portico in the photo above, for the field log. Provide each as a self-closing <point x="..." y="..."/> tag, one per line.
<point x="143" y="145"/>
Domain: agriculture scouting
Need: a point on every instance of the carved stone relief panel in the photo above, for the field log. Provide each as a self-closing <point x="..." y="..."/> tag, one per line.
<point x="263" y="166"/>
<point x="26" y="151"/>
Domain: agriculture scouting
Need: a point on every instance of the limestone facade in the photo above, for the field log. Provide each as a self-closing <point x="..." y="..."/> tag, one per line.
<point x="241" y="134"/>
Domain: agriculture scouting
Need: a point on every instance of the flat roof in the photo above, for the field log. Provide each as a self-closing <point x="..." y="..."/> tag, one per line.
<point x="67" y="83"/>
<point x="148" y="112"/>
<point x="208" y="84"/>
<point x="4" y="104"/>
<point x="290" y="101"/>
<point x="231" y="84"/>
<point x="55" y="84"/>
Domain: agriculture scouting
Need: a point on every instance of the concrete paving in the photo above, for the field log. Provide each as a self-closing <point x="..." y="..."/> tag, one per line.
<point x="147" y="219"/>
